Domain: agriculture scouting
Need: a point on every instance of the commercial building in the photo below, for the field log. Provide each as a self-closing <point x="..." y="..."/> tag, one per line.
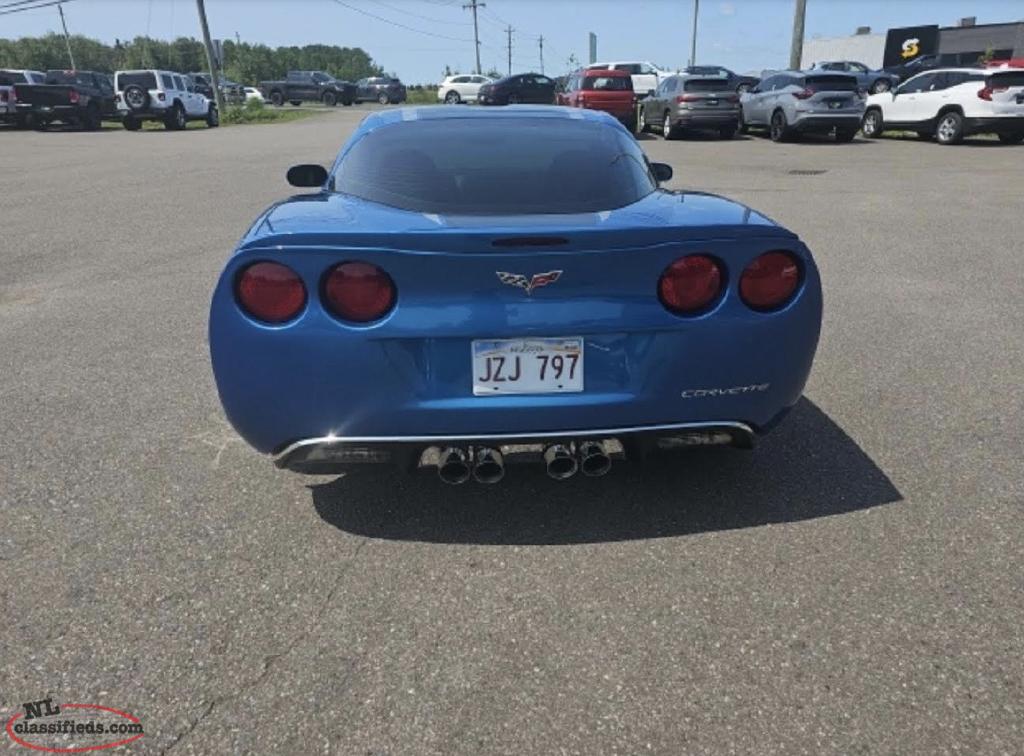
<point x="957" y="45"/>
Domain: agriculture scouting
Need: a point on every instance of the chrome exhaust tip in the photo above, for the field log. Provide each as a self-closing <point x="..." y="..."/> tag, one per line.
<point x="560" y="462"/>
<point x="489" y="466"/>
<point x="594" y="460"/>
<point x="453" y="467"/>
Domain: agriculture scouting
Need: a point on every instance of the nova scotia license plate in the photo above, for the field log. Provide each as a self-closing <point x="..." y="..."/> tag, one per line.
<point x="527" y="366"/>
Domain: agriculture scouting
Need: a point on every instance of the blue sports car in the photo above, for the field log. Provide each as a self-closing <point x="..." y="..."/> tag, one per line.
<point x="467" y="288"/>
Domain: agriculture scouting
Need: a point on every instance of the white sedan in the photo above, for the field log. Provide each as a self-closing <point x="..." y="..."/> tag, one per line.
<point x="461" y="88"/>
<point x="251" y="93"/>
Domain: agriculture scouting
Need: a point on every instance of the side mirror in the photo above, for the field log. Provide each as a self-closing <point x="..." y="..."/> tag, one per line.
<point x="307" y="174"/>
<point x="662" y="172"/>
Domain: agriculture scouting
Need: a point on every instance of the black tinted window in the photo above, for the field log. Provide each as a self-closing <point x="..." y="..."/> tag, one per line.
<point x="922" y="83"/>
<point x="831" y="83"/>
<point x="497" y="166"/>
<point x="609" y="83"/>
<point x="705" y="85"/>
<point x="144" y="79"/>
<point x="1006" y="79"/>
<point x="9" y="78"/>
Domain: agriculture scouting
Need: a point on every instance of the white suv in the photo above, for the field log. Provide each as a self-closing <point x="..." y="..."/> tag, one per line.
<point x="951" y="103"/>
<point x="461" y="88"/>
<point x="166" y="96"/>
<point x="646" y="76"/>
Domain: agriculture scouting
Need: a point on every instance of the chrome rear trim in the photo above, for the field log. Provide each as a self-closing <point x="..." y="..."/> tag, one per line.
<point x="289" y="450"/>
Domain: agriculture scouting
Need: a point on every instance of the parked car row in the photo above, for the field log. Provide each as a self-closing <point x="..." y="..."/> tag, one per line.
<point x="84" y="99"/>
<point x="319" y="86"/>
<point x="946" y="104"/>
<point x="829" y="98"/>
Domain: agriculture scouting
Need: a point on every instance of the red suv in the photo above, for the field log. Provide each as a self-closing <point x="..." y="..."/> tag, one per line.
<point x="610" y="91"/>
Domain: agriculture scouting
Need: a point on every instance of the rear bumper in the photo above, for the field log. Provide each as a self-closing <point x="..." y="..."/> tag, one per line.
<point x="994" y="125"/>
<point x="411" y="376"/>
<point x="810" y="122"/>
<point x="149" y="114"/>
<point x="330" y="454"/>
<point x="48" y="112"/>
<point x="707" y="120"/>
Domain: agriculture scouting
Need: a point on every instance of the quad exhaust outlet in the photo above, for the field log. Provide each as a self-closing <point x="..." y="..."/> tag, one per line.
<point x="594" y="460"/>
<point x="489" y="466"/>
<point x="560" y="462"/>
<point x="453" y="466"/>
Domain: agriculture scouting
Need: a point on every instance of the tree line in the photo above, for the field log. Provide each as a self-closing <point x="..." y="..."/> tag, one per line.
<point x="243" y="62"/>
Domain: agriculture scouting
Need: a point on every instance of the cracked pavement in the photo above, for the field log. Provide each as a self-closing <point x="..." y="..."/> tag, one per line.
<point x="853" y="586"/>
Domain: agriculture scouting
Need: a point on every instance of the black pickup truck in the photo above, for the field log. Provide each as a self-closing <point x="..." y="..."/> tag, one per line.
<point x="75" y="98"/>
<point x="306" y="86"/>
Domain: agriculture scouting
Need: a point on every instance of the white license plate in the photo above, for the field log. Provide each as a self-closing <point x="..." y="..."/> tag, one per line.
<point x="527" y="366"/>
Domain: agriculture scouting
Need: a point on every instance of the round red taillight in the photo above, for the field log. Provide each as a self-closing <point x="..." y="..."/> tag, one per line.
<point x="690" y="284"/>
<point x="770" y="280"/>
<point x="359" y="291"/>
<point x="271" y="292"/>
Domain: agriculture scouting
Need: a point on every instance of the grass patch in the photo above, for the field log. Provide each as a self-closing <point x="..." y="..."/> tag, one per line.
<point x="421" y="97"/>
<point x="252" y="112"/>
<point x="255" y="111"/>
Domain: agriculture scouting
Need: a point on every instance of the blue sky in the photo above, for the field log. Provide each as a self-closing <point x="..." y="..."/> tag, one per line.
<point x="747" y="35"/>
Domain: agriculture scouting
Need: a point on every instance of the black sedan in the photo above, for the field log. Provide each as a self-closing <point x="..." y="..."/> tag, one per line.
<point x="527" y="88"/>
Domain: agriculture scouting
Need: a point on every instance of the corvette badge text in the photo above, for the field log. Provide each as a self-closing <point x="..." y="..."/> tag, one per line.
<point x="72" y="727"/>
<point x="734" y="391"/>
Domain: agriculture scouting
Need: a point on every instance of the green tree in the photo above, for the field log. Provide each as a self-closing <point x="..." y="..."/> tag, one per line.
<point x="245" y="62"/>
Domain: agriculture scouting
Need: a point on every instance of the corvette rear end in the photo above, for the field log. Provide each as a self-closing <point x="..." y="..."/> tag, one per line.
<point x="345" y="331"/>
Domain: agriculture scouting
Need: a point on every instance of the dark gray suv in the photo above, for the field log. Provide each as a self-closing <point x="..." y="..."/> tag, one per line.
<point x="684" y="102"/>
<point x="382" y="89"/>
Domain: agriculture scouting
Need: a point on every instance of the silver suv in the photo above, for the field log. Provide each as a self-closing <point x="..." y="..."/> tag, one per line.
<point x="789" y="103"/>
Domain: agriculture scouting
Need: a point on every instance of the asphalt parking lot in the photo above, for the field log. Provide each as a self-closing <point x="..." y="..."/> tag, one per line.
<point x="854" y="586"/>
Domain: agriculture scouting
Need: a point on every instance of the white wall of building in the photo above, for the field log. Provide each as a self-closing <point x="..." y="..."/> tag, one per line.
<point x="868" y="49"/>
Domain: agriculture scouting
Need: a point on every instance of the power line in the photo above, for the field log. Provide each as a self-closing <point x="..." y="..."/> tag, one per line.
<point x="34" y="7"/>
<point x="400" y="26"/>
<point x="18" y="2"/>
<point x="417" y="15"/>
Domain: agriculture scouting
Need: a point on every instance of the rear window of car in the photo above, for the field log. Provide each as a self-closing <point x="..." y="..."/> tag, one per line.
<point x="10" y="78"/>
<point x="144" y="79"/>
<point x="705" y="85"/>
<point x="608" y="83"/>
<point x="68" y="78"/>
<point x="496" y="166"/>
<point x="831" y="83"/>
<point x="1006" y="79"/>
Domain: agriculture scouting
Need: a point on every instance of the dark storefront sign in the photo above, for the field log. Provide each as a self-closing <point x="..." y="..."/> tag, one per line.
<point x="905" y="44"/>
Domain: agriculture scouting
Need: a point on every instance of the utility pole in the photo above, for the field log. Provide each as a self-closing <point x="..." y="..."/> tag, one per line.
<point x="210" y="60"/>
<point x="796" y="51"/>
<point x="541" y="41"/>
<point x="693" y="39"/>
<point x="474" y="4"/>
<point x="509" y="32"/>
<point x="67" y="38"/>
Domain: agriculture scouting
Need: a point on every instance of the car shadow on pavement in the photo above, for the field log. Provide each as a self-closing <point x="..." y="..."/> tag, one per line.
<point x="807" y="468"/>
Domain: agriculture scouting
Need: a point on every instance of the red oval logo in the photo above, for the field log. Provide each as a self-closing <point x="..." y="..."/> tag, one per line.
<point x="72" y="727"/>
